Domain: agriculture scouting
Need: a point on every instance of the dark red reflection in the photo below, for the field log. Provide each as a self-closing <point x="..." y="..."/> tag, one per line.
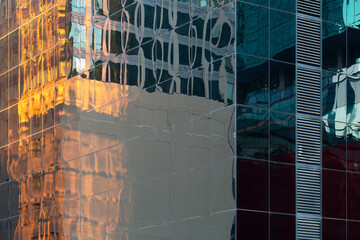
<point x="282" y="188"/>
<point x="353" y="230"/>
<point x="252" y="184"/>
<point x="252" y="225"/>
<point x="334" y="194"/>
<point x="353" y="196"/>
<point x="282" y="227"/>
<point x="353" y="156"/>
<point x="334" y="157"/>
<point x="333" y="229"/>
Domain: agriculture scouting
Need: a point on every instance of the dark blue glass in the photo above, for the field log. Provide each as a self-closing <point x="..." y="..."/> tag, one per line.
<point x="252" y="29"/>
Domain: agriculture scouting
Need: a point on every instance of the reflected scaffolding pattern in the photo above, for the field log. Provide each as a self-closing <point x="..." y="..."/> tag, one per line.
<point x="117" y="119"/>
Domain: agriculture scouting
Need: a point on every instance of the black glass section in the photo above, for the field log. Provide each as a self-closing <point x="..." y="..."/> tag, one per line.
<point x="282" y="227"/>
<point x="353" y="51"/>
<point x="282" y="137"/>
<point x="252" y="225"/>
<point x="353" y="147"/>
<point x="333" y="229"/>
<point x="252" y="81"/>
<point x="353" y="230"/>
<point x="252" y="29"/>
<point x="285" y="5"/>
<point x="353" y="196"/>
<point x="252" y="184"/>
<point x="334" y="145"/>
<point x="333" y="47"/>
<point x="333" y="96"/>
<point x="282" y="87"/>
<point x="333" y="11"/>
<point x="282" y="36"/>
<point x="334" y="194"/>
<point x="282" y="188"/>
<point x="252" y="133"/>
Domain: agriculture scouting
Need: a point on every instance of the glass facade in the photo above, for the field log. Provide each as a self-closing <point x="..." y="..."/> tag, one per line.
<point x="167" y="119"/>
<point x="117" y="119"/>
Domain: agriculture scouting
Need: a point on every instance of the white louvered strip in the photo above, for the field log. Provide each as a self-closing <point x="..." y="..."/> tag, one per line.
<point x="308" y="130"/>
<point x="308" y="41"/>
<point x="308" y="197"/>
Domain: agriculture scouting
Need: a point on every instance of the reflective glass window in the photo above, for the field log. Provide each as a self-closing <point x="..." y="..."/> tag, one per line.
<point x="252" y="225"/>
<point x="333" y="229"/>
<point x="353" y="147"/>
<point x="353" y="99"/>
<point x="353" y="196"/>
<point x="334" y="194"/>
<point x="334" y="11"/>
<point x="282" y="87"/>
<point x="282" y="227"/>
<point x="252" y="81"/>
<point x="334" y="145"/>
<point x="282" y="137"/>
<point x="252" y="184"/>
<point x="333" y="47"/>
<point x="353" y="51"/>
<point x="252" y="133"/>
<point x="282" y="36"/>
<point x="285" y="5"/>
<point x="282" y="188"/>
<point x="252" y="29"/>
<point x="353" y="230"/>
<point x="334" y="96"/>
<point x="258" y="2"/>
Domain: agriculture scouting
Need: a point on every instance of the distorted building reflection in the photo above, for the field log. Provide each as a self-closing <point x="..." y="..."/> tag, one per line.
<point x="119" y="120"/>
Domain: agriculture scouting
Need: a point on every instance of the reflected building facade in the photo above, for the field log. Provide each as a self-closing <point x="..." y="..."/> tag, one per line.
<point x="167" y="119"/>
<point x="117" y="119"/>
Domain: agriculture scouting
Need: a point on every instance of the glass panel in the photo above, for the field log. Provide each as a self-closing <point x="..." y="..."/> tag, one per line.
<point x="334" y="194"/>
<point x="353" y="230"/>
<point x="252" y="30"/>
<point x="333" y="229"/>
<point x="284" y="5"/>
<point x="252" y="133"/>
<point x="252" y="81"/>
<point x="353" y="51"/>
<point x="334" y="11"/>
<point x="282" y="36"/>
<point x="353" y="147"/>
<point x="282" y="87"/>
<point x="282" y="227"/>
<point x="333" y="47"/>
<point x="334" y="145"/>
<point x="264" y="3"/>
<point x="282" y="137"/>
<point x="333" y="100"/>
<point x="353" y="196"/>
<point x="252" y="225"/>
<point x="282" y="188"/>
<point x="353" y="100"/>
<point x="252" y="184"/>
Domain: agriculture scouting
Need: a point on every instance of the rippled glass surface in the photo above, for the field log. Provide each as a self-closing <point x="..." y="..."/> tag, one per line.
<point x="117" y="119"/>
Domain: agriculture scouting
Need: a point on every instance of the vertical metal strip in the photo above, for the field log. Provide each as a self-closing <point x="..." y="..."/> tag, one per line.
<point x="308" y="119"/>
